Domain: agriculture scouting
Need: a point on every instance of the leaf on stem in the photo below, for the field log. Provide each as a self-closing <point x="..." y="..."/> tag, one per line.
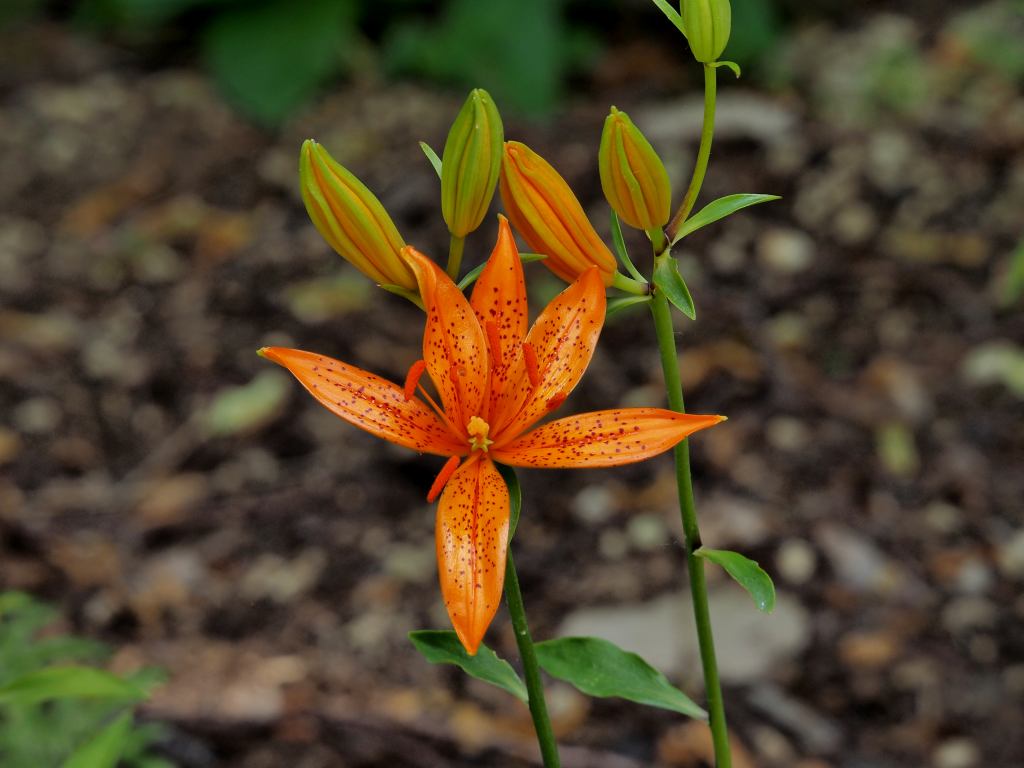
<point x="442" y="646"/>
<point x="668" y="280"/>
<point x="515" y="495"/>
<point x="600" y="668"/>
<point x="620" y="249"/>
<point x="747" y="573"/>
<point x="731" y="65"/>
<point x="432" y="157"/>
<point x="615" y="306"/>
<point x="719" y="209"/>
<point x="672" y="14"/>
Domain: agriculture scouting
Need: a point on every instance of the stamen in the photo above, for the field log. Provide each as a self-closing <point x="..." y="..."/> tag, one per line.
<point x="442" y="478"/>
<point x="556" y="400"/>
<point x="412" y="379"/>
<point x="494" y="340"/>
<point x="530" y="358"/>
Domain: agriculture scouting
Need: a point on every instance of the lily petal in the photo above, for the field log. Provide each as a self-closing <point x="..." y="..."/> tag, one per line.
<point x="472" y="539"/>
<point x="602" y="438"/>
<point x="499" y="298"/>
<point x="368" y="401"/>
<point x="563" y="338"/>
<point x="454" y="344"/>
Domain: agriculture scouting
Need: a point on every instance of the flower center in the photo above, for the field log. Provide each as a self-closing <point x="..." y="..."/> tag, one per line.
<point x="478" y="429"/>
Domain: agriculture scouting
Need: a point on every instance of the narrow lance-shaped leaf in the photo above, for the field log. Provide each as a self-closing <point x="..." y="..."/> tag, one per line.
<point x="515" y="495"/>
<point x="747" y="573"/>
<point x="668" y="280"/>
<point x="103" y="750"/>
<point x="67" y="682"/>
<point x="600" y="668"/>
<point x="719" y="209"/>
<point x="620" y="248"/>
<point x="442" y="646"/>
<point x="432" y="157"/>
<point x="672" y="14"/>
<point x="617" y="305"/>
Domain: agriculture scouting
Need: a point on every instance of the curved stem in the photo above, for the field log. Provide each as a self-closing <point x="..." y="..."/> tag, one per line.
<point x="691" y="533"/>
<point x="455" y="257"/>
<point x="531" y="670"/>
<point x="703" y="154"/>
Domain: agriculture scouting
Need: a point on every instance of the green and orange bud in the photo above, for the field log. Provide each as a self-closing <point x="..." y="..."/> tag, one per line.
<point x="471" y="163"/>
<point x="543" y="209"/>
<point x="632" y="175"/>
<point x="707" y="24"/>
<point x="351" y="218"/>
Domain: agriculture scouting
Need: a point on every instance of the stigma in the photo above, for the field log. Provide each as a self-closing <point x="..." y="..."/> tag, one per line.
<point x="478" y="429"/>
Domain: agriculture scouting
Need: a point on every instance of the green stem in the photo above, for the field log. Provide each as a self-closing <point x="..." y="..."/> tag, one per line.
<point x="455" y="257"/>
<point x="691" y="533"/>
<point x="531" y="670"/>
<point x="703" y="154"/>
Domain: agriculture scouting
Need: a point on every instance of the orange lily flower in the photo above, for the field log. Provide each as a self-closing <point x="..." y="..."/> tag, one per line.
<point x="494" y="380"/>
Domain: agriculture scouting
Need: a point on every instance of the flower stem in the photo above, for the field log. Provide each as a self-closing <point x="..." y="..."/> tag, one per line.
<point x="531" y="670"/>
<point x="691" y="533"/>
<point x="455" y="257"/>
<point x="703" y="154"/>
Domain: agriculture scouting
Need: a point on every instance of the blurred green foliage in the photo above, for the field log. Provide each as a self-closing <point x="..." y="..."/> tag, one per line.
<point x="54" y="710"/>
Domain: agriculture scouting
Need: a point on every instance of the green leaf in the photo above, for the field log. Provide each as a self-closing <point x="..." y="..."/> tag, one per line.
<point x="731" y="65"/>
<point x="620" y="249"/>
<point x="432" y="157"/>
<point x="672" y="14"/>
<point x="104" y="750"/>
<point x="474" y="273"/>
<point x="719" y="209"/>
<point x="747" y="574"/>
<point x="67" y="682"/>
<point x="515" y="493"/>
<point x="668" y="280"/>
<point x="442" y="646"/>
<point x="600" y="668"/>
<point x="615" y="306"/>
<point x="269" y="58"/>
<point x="248" y="407"/>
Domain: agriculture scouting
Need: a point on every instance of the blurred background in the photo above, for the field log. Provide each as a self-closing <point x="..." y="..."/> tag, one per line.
<point x="185" y="503"/>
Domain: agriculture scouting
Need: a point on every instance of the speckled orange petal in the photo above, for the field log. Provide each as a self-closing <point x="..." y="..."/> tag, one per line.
<point x="563" y="338"/>
<point x="499" y="300"/>
<point x="472" y="539"/>
<point x="454" y="344"/>
<point x="602" y="438"/>
<point x="368" y="401"/>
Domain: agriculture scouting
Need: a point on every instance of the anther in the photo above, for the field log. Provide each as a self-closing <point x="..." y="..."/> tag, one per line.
<point x="442" y="478"/>
<point x="530" y="358"/>
<point x="412" y="378"/>
<point x="494" y="340"/>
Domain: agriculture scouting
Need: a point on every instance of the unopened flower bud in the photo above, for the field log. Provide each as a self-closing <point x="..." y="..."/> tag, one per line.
<point x="351" y="219"/>
<point x="471" y="163"/>
<point x="707" y="24"/>
<point x="632" y="175"/>
<point x="542" y="207"/>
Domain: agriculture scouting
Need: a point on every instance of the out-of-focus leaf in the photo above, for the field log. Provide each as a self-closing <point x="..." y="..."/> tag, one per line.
<point x="270" y="57"/>
<point x="756" y="29"/>
<point x="240" y="409"/>
<point x="67" y="682"/>
<point x="325" y="298"/>
<point x="896" y="449"/>
<point x="104" y="750"/>
<point x="442" y="646"/>
<point x="600" y="668"/>
<point x="996" y="362"/>
<point x="747" y="573"/>
<point x="516" y="49"/>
